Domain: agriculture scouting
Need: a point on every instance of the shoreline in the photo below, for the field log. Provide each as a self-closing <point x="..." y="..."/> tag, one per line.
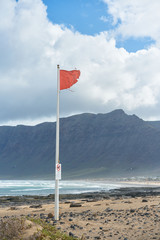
<point x="119" y="192"/>
<point x="126" y="213"/>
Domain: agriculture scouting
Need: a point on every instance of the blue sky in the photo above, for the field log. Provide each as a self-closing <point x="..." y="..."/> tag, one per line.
<point x="114" y="43"/>
<point x="83" y="15"/>
<point x="91" y="17"/>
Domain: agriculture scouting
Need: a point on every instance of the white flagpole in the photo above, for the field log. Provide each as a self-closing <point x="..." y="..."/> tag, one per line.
<point x="56" y="212"/>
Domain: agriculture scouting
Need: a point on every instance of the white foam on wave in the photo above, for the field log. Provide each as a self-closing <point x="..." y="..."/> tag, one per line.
<point x="31" y="185"/>
<point x="29" y="189"/>
<point x="23" y="183"/>
<point x="18" y="187"/>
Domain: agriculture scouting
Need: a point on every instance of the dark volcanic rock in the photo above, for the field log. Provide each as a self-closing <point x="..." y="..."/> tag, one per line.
<point x="36" y="206"/>
<point x="39" y="200"/>
<point x="50" y="215"/>
<point x="71" y="234"/>
<point x="75" y="205"/>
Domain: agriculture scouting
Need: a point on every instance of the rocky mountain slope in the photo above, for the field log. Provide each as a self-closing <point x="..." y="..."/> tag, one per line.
<point x="91" y="146"/>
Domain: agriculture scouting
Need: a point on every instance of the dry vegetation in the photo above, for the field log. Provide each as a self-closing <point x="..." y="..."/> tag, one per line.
<point x="11" y="228"/>
<point x="16" y="228"/>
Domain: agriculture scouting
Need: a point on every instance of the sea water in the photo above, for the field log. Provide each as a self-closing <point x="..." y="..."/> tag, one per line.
<point x="40" y="187"/>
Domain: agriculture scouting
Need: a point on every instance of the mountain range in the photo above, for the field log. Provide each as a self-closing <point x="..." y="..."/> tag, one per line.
<point x="91" y="146"/>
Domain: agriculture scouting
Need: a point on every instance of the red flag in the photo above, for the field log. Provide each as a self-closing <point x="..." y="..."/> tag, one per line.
<point x="68" y="78"/>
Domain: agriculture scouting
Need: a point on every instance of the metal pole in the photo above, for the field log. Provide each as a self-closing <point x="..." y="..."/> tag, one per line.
<point x="56" y="212"/>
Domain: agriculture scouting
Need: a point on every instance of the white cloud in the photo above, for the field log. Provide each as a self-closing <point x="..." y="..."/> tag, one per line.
<point x="138" y="18"/>
<point x="31" y="47"/>
<point x="104" y="18"/>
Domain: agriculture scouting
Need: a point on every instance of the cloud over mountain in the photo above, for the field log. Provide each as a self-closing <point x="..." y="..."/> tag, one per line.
<point x="31" y="47"/>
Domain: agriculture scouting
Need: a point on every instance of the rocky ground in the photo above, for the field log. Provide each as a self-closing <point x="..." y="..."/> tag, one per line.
<point x="128" y="213"/>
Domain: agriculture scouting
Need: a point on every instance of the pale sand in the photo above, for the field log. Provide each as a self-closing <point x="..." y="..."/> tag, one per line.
<point x="31" y="229"/>
<point x="145" y="183"/>
<point x="112" y="218"/>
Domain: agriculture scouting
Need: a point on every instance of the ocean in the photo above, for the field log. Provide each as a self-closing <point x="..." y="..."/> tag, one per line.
<point x="43" y="188"/>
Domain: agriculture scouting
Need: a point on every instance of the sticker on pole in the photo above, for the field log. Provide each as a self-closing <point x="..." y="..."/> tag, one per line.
<point x="58" y="171"/>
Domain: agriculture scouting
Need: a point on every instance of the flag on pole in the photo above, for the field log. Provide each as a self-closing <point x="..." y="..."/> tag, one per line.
<point x="65" y="79"/>
<point x="68" y="78"/>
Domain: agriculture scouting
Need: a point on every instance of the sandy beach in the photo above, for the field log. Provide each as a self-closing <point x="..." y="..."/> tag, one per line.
<point x="99" y="216"/>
